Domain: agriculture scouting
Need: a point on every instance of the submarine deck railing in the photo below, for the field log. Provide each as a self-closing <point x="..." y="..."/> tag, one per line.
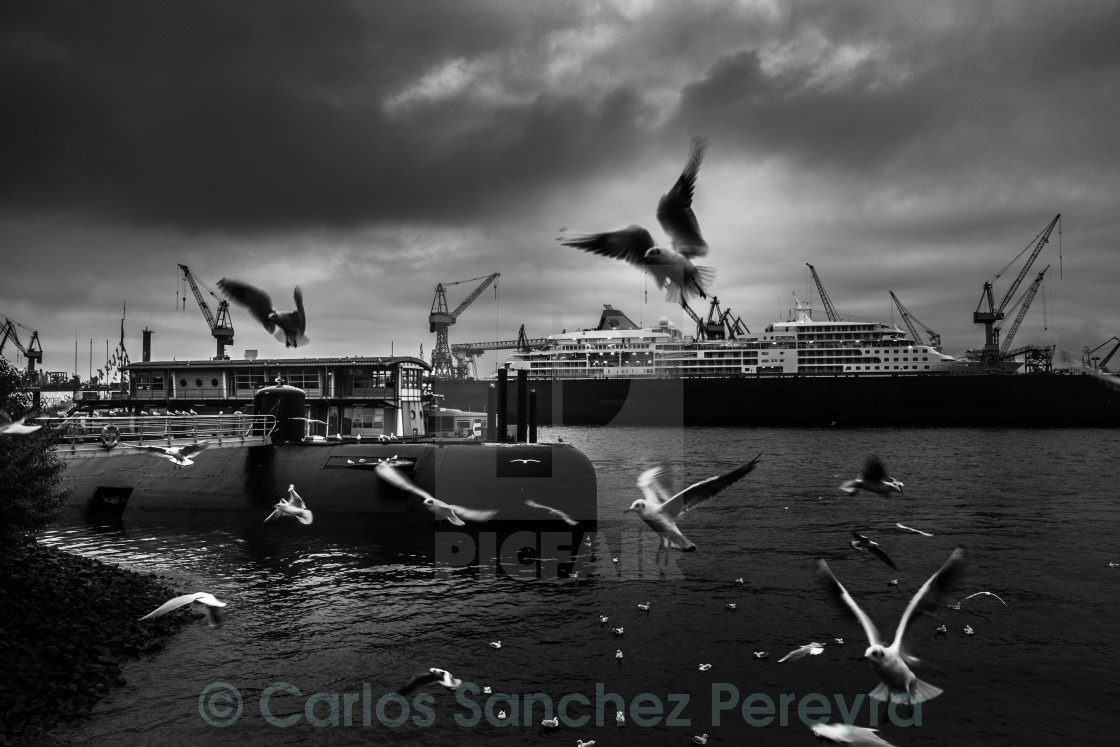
<point x="99" y="434"/>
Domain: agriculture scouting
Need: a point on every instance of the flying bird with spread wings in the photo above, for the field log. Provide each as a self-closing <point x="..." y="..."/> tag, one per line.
<point x="660" y="511"/>
<point x="454" y="514"/>
<point x="287" y="327"/>
<point x="178" y="455"/>
<point x="202" y="597"/>
<point x="890" y="661"/>
<point x="671" y="265"/>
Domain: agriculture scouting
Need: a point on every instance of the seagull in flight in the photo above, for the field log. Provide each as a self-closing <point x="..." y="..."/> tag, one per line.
<point x="870" y="547"/>
<point x="660" y="511"/>
<point x="293" y="506"/>
<point x="201" y="597"/>
<point x="671" y="266"/>
<point x="554" y="511"/>
<point x="179" y="455"/>
<point x="454" y="514"/>
<point x="860" y="736"/>
<point x="957" y="606"/>
<point x="809" y="649"/>
<point x="440" y="676"/>
<point x="9" y="427"/>
<point x="873" y="478"/>
<point x="287" y="327"/>
<point x="891" y="662"/>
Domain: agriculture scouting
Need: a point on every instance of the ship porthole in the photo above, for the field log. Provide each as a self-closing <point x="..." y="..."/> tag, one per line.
<point x="413" y="413"/>
<point x="110" y="435"/>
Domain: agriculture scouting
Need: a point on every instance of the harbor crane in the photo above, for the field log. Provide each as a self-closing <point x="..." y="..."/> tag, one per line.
<point x="1099" y="364"/>
<point x="440" y="319"/>
<point x="719" y="325"/>
<point x="987" y="313"/>
<point x="910" y="320"/>
<point x="1024" y="304"/>
<point x="221" y="327"/>
<point x="33" y="352"/>
<point x="829" y="310"/>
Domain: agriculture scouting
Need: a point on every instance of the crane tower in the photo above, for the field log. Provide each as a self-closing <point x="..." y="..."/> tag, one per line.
<point x="221" y="327"/>
<point x="440" y="319"/>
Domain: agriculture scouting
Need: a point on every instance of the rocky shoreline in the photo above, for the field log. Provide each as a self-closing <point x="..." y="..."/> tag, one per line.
<point x="67" y="623"/>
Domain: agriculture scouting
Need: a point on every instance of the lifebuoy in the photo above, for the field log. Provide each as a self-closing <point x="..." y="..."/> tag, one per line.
<point x="110" y="435"/>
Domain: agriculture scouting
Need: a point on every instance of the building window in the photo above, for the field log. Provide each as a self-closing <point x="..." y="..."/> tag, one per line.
<point x="303" y="379"/>
<point x="248" y="381"/>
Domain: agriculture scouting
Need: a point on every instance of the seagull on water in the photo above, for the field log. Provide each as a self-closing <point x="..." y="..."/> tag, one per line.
<point x="293" y="506"/>
<point x="761" y="654"/>
<point x="454" y="514"/>
<point x="202" y="597"/>
<point x="874" y="478"/>
<point x="701" y="739"/>
<point x="179" y="455"/>
<point x="871" y="548"/>
<point x="550" y="723"/>
<point x="891" y="662"/>
<point x="554" y="511"/>
<point x="643" y="606"/>
<point x="809" y="649"/>
<point x="440" y="676"/>
<point x="619" y="631"/>
<point x="671" y="266"/>
<point x="660" y="511"/>
<point x="9" y="427"/>
<point x="287" y="327"/>
<point x="705" y="667"/>
<point x="581" y="743"/>
<point x="848" y="734"/>
<point x="495" y="644"/>
<point x="620" y="718"/>
<point x="968" y="630"/>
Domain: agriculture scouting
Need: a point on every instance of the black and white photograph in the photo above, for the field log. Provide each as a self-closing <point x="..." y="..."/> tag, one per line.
<point x="616" y="372"/>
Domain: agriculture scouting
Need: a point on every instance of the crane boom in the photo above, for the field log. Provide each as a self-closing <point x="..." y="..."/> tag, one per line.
<point x="829" y="311"/>
<point x="221" y="327"/>
<point x="1025" y="304"/>
<point x="909" y="319"/>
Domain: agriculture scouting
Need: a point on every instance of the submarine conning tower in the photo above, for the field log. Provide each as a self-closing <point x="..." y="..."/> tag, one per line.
<point x="285" y="403"/>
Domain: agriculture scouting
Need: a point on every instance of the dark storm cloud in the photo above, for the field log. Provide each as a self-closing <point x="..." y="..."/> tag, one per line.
<point x="247" y="115"/>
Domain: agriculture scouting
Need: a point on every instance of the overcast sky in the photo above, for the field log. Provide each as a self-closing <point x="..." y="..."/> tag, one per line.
<point x="367" y="151"/>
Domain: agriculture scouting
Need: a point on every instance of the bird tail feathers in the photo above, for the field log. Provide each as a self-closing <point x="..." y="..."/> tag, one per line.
<point x="920" y="692"/>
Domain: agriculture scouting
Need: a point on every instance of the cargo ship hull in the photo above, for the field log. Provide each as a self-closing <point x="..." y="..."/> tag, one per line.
<point x="969" y="400"/>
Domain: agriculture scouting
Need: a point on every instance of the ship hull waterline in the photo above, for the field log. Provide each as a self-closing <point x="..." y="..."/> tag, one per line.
<point x="1021" y="400"/>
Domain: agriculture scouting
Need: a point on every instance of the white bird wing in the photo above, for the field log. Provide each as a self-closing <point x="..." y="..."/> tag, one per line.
<point x="927" y="596"/>
<point x="191" y="449"/>
<point x="796" y="654"/>
<point x="837" y="588"/>
<point x="161" y="450"/>
<point x="419" y="680"/>
<point x="274" y="515"/>
<point x="656" y="484"/>
<point x="294" y="499"/>
<point x="705" y="490"/>
<point x="392" y="476"/>
<point x="987" y="593"/>
<point x="555" y="511"/>
<point x="674" y="210"/>
<point x="254" y="299"/>
<point x="629" y="244"/>
<point x="301" y="315"/>
<point x="179" y="601"/>
<point x="471" y="514"/>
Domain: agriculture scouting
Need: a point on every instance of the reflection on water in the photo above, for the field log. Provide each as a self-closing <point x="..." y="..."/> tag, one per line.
<point x="357" y="610"/>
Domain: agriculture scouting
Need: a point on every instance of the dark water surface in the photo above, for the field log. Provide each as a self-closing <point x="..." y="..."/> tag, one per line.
<point x="352" y="612"/>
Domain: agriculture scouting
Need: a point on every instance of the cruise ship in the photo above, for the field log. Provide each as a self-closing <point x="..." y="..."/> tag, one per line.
<point x="800" y="371"/>
<point x="618" y="348"/>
